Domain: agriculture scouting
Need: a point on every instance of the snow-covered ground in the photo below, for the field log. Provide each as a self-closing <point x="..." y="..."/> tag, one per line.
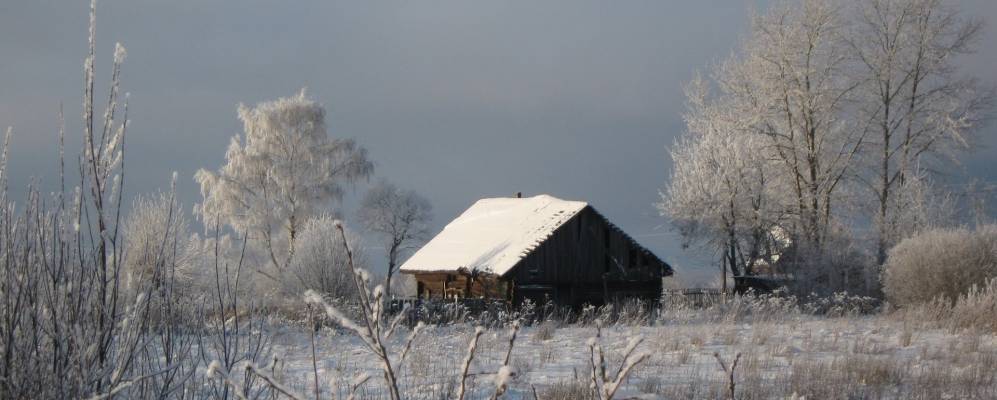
<point x="801" y="356"/>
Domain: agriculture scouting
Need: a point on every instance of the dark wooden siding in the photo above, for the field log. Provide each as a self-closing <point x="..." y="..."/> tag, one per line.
<point x="585" y="260"/>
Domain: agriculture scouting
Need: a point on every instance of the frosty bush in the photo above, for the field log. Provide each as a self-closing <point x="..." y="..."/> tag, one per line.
<point x="943" y="263"/>
<point x="840" y="264"/>
<point x="977" y="308"/>
<point x="321" y="263"/>
<point x="841" y="304"/>
<point x="157" y="230"/>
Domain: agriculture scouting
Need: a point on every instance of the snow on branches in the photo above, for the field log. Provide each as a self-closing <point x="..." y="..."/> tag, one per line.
<point x="280" y="172"/>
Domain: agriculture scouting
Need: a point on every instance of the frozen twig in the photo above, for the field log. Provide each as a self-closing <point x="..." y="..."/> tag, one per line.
<point x="467" y="361"/>
<point x="273" y="382"/>
<point x="506" y="372"/>
<point x="601" y="384"/>
<point x="408" y="342"/>
<point x="729" y="371"/>
<point x="355" y="384"/>
<point x="215" y="370"/>
<point x="128" y="383"/>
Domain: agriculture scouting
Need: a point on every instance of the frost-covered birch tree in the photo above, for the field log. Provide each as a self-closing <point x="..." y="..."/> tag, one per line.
<point x="917" y="106"/>
<point x="279" y="173"/>
<point x="400" y="217"/>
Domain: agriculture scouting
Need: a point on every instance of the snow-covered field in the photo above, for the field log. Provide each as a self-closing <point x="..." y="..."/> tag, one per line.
<point x="797" y="355"/>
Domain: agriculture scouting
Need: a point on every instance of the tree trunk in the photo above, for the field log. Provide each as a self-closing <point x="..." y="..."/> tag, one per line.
<point x="392" y="263"/>
<point x="387" y="281"/>
<point x="723" y="275"/>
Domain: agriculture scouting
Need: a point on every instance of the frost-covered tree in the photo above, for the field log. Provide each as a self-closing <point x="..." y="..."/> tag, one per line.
<point x="723" y="192"/>
<point x="914" y="103"/>
<point x="280" y="172"/>
<point x="833" y="95"/>
<point x="792" y="79"/>
<point x="782" y="141"/>
<point x="763" y="169"/>
<point x="400" y="217"/>
<point x="918" y="205"/>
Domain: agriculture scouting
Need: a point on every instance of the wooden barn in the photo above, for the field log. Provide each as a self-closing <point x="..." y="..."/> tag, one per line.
<point x="539" y="248"/>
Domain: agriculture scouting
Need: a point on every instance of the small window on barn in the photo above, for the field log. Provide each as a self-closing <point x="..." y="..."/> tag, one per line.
<point x="534" y="272"/>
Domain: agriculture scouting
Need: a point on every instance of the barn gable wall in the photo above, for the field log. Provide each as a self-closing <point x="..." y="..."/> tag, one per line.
<point x="584" y="260"/>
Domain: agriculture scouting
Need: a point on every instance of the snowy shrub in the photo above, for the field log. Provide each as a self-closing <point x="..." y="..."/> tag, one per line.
<point x="157" y="234"/>
<point x="678" y="307"/>
<point x="841" y="304"/>
<point x="839" y="264"/>
<point x="631" y="312"/>
<point x="974" y="310"/>
<point x="443" y="312"/>
<point x="943" y="263"/>
<point x="545" y="331"/>
<point x="320" y="263"/>
<point x="977" y="309"/>
<point x="567" y="390"/>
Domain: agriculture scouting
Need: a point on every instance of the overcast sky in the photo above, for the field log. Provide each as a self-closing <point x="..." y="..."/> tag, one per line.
<point x="457" y="99"/>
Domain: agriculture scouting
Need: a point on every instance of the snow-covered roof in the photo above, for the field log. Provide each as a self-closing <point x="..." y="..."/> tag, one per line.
<point x="493" y="235"/>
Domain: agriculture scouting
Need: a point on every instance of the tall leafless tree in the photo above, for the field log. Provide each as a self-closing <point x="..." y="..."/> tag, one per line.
<point x="792" y="78"/>
<point x="400" y="217"/>
<point x="913" y="100"/>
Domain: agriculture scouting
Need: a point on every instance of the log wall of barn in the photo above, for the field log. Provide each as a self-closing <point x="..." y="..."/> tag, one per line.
<point x="449" y="285"/>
